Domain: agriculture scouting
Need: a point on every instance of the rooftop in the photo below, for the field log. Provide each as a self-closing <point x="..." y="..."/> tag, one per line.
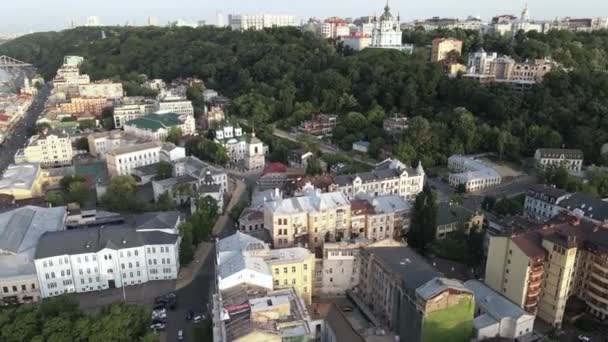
<point x="558" y="152"/>
<point x="439" y="285"/>
<point x="155" y="122"/>
<point x="135" y="148"/>
<point x="387" y="169"/>
<point x="93" y="240"/>
<point x="592" y="208"/>
<point x="546" y="190"/>
<point x="452" y="213"/>
<point x="20" y="230"/>
<point x="157" y="220"/>
<point x="314" y="201"/>
<point x="21" y="176"/>
<point x="493" y="303"/>
<point x="413" y="270"/>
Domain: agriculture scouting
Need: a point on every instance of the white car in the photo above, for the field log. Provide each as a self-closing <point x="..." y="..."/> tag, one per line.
<point x="584" y="338"/>
<point x="198" y="318"/>
<point x="180" y="335"/>
<point x="157" y="326"/>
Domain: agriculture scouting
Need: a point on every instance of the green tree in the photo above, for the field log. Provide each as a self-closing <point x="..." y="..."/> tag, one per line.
<point x="423" y="226"/>
<point x="54" y="198"/>
<point x="164" y="170"/>
<point x="66" y="181"/>
<point x="165" y="202"/>
<point x="87" y="124"/>
<point x="120" y="195"/>
<point x="186" y="249"/>
<point x="174" y="135"/>
<point x="82" y="144"/>
<point x="313" y="167"/>
<point x="78" y="192"/>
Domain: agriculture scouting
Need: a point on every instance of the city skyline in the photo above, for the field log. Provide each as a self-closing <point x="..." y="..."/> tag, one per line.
<point x="136" y="12"/>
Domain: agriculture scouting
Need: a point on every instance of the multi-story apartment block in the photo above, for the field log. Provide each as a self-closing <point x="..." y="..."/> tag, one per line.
<point x="496" y="316"/>
<point x="20" y="230"/>
<point x="309" y="219"/>
<point x="179" y="106"/>
<point x="244" y="150"/>
<point x="80" y="105"/>
<point x="244" y="260"/>
<point x="157" y="126"/>
<point x="442" y="48"/>
<point x="100" y="143"/>
<point x="320" y="124"/>
<point x="379" y="218"/>
<point x="103" y="89"/>
<point x="407" y="293"/>
<point x="474" y="174"/>
<point x="123" y="160"/>
<point x="49" y="149"/>
<point x="131" y="108"/>
<point x="542" y="202"/>
<point x="100" y="258"/>
<point x="541" y="269"/>
<point x="571" y="160"/>
<point x="390" y="177"/>
<point x="258" y="22"/>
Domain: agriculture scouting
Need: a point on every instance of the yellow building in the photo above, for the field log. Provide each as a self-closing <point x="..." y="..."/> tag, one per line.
<point x="79" y="105"/>
<point x="442" y="48"/>
<point x="22" y="181"/>
<point x="49" y="149"/>
<point x="540" y="269"/>
<point x="293" y="267"/>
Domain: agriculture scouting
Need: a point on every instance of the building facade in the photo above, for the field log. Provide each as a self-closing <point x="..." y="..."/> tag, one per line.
<point x="49" y="149"/>
<point x="132" y="108"/>
<point x="123" y="160"/>
<point x="571" y="160"/>
<point x="442" y="48"/>
<point x="542" y="202"/>
<point x="387" y="34"/>
<point x="157" y="126"/>
<point x="390" y="177"/>
<point x="93" y="259"/>
<point x="471" y="173"/>
<point x="244" y="150"/>
<point x="100" y="143"/>
<point x="103" y="89"/>
<point x="240" y="22"/>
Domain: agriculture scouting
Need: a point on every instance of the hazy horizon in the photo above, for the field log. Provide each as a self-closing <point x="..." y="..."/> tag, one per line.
<point x="37" y="15"/>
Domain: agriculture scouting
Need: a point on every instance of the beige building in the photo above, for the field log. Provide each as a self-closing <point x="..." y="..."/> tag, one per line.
<point x="23" y="181"/>
<point x="442" y="48"/>
<point x="571" y="160"/>
<point x="79" y="105"/>
<point x="309" y="219"/>
<point x="541" y="269"/>
<point x="100" y="143"/>
<point x="104" y="89"/>
<point x="49" y="149"/>
<point x="379" y="218"/>
<point x="131" y="108"/>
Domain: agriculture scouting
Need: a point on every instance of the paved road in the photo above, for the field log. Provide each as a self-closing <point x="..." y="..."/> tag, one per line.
<point x="20" y="132"/>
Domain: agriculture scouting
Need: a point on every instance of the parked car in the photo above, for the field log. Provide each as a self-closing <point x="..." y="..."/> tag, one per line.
<point x="584" y="338"/>
<point x="180" y="335"/>
<point x="158" y="326"/>
<point x="189" y="315"/>
<point x="158" y="306"/>
<point x="198" y="318"/>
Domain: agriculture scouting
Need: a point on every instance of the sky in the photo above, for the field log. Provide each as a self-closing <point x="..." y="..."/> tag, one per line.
<point x="45" y="15"/>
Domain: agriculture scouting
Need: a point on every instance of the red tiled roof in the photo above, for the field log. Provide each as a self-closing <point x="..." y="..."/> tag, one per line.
<point x="361" y="205"/>
<point x="4" y="117"/>
<point x="275" y="168"/>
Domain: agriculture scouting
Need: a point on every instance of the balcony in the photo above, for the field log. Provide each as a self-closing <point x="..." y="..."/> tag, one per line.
<point x="531" y="303"/>
<point x="535" y="282"/>
<point x="533" y="293"/>
<point x="600" y="267"/>
<point x="537" y="271"/>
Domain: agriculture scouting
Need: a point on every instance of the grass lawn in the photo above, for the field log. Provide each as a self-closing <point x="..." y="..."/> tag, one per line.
<point x="454" y="324"/>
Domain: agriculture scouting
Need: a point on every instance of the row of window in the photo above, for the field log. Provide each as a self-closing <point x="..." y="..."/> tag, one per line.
<point x="6" y="289"/>
<point x="277" y="270"/>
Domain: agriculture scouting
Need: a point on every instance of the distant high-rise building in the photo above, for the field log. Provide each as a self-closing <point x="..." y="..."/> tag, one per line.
<point x="220" y="20"/>
<point x="92" y="21"/>
<point x="152" y="21"/>
<point x="259" y="22"/>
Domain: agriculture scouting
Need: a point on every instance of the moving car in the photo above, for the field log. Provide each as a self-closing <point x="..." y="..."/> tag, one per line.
<point x="584" y="338"/>
<point x="158" y="326"/>
<point x="189" y="315"/>
<point x="198" y="318"/>
<point x="180" y="335"/>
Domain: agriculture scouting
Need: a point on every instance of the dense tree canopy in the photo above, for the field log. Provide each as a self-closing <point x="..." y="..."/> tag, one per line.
<point x="284" y="76"/>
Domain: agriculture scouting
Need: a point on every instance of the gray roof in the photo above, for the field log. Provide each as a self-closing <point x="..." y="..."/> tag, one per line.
<point x="20" y="230"/>
<point x="493" y="303"/>
<point x="413" y="269"/>
<point x="92" y="240"/>
<point x="157" y="220"/>
<point x="439" y="285"/>
<point x="593" y="208"/>
<point x="545" y="190"/>
<point x="387" y="169"/>
<point x="557" y="152"/>
<point x="20" y="176"/>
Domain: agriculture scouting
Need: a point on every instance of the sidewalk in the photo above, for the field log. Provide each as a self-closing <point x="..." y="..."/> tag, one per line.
<point x="188" y="273"/>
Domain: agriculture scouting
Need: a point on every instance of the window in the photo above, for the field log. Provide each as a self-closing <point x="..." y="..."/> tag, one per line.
<point x="128" y="253"/>
<point x="276" y="271"/>
<point x="33" y="286"/>
<point x="293" y="281"/>
<point x="137" y="264"/>
<point x="285" y="282"/>
<point x="305" y="267"/>
<point x="284" y="269"/>
<point x="5" y="289"/>
<point x="136" y="252"/>
<point x="293" y="269"/>
<point x="82" y="281"/>
<point x="138" y="273"/>
<point x="86" y="258"/>
<point x="276" y="283"/>
<point x="130" y="265"/>
<point x="122" y="266"/>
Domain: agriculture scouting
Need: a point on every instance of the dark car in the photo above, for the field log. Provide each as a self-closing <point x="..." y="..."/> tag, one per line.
<point x="158" y="306"/>
<point x="189" y="315"/>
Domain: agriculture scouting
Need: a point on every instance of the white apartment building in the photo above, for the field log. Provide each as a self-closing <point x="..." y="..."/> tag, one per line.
<point x="571" y="160"/>
<point x="258" y="22"/>
<point x="308" y="219"/>
<point x="474" y="174"/>
<point x="100" y="143"/>
<point x="49" y="149"/>
<point x="181" y="107"/>
<point x="542" y="202"/>
<point x="122" y="160"/>
<point x="390" y="177"/>
<point x="480" y="62"/>
<point x="244" y="150"/>
<point x="132" y="108"/>
<point x="93" y="259"/>
<point x="104" y="89"/>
